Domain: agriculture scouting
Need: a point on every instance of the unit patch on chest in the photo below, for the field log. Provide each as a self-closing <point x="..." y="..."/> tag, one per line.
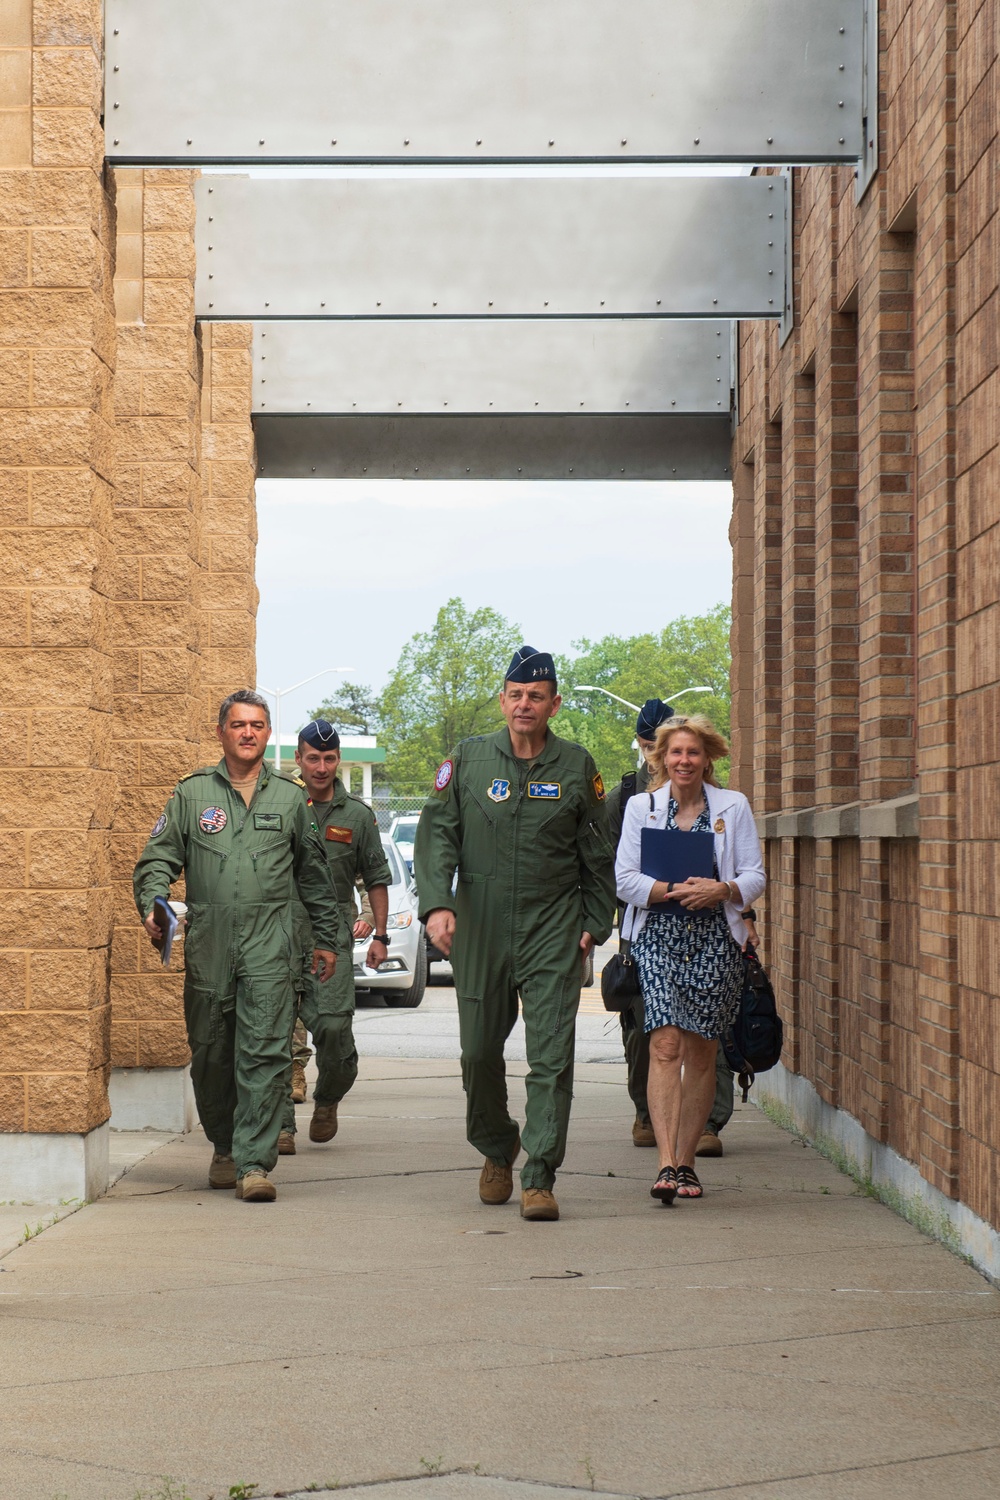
<point x="268" y="822"/>
<point x="499" y="790"/>
<point x="212" y="819"/>
<point x="549" y="789"/>
<point x="340" y="835"/>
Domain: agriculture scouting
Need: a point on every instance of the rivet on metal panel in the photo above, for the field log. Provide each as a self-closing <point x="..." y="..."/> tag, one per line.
<point x="658" y="301"/>
<point x="841" y="30"/>
<point x="433" y="304"/>
<point x="771" y="301"/>
<point x="840" y="138"/>
<point x="770" y="273"/>
<point x="770" y="140"/>
<point x="211" y="304"/>
<point x="602" y="301"/>
<point x="491" y="304"/>
<point x="552" y="141"/>
<point x="770" y="216"/>
<point x="263" y="382"/>
<point x="546" y="302"/>
<point x="673" y="403"/>
<point x="623" y="468"/>
<point x="399" y="403"/>
<point x="581" y="403"/>
<point x="211" y="190"/>
<point x="364" y="468"/>
<point x="261" y="141"/>
<point x="624" y="140"/>
<point x="314" y="468"/>
<point x="840" y="103"/>
<point x="267" y="304"/>
<point x="116" y="104"/>
<point x="770" y="187"/>
<point x="211" y="277"/>
<point x="116" y="67"/>
<point x="770" y="244"/>
<point x="715" y="301"/>
<point x="211" y="247"/>
<point x="322" y="304"/>
<point x="840" y="69"/>
<point x="673" y="471"/>
<point x="378" y="304"/>
<point x="479" y="140"/>
<point x="626" y="403"/>
<point x="116" y="143"/>
<point x="519" y="468"/>
<point x="416" y="468"/>
<point x="334" y="141"/>
<point x="445" y="403"/>
<point x="406" y="140"/>
<point x="571" y="468"/>
<point x="189" y="140"/>
<point x="468" y="471"/>
<point x="116" y="31"/>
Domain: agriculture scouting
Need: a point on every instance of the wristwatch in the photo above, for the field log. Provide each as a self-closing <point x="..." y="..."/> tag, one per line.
<point x="381" y="937"/>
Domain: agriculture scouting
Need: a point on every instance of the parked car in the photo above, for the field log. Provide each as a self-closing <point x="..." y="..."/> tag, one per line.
<point x="403" y="831"/>
<point x="402" y="979"/>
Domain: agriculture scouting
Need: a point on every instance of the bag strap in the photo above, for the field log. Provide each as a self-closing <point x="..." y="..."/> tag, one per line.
<point x="628" y="788"/>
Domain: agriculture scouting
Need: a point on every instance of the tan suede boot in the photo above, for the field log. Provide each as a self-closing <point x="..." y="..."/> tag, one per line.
<point x="709" y="1145"/>
<point x="286" y="1143"/>
<point x="222" y="1172"/>
<point x="256" y="1187"/>
<point x="496" y="1181"/>
<point x="323" y="1125"/>
<point x="538" y="1203"/>
<point x="298" y="1083"/>
<point x="642" y="1133"/>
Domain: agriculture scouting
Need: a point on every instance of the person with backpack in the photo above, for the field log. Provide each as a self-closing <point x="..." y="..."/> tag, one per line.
<point x="687" y="933"/>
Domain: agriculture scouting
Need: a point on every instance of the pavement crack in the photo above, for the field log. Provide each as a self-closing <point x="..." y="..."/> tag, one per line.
<point x="888" y="1463"/>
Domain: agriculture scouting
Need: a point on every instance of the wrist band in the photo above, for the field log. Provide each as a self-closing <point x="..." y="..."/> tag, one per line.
<point x="749" y="915"/>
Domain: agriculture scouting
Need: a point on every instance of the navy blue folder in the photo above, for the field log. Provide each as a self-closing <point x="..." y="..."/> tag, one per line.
<point x="671" y="854"/>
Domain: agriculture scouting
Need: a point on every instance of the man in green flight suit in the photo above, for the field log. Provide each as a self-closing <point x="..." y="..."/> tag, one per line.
<point x="242" y="836"/>
<point x="353" y="847"/>
<point x="520" y="815"/>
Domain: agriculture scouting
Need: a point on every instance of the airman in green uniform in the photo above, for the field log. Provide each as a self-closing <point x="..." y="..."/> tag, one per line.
<point x="350" y="837"/>
<point x="520" y="816"/>
<point x="242" y="837"/>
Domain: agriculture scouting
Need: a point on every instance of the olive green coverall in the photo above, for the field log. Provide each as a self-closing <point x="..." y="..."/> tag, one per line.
<point x="350" y="838"/>
<point x="245" y="869"/>
<point x="535" y="870"/>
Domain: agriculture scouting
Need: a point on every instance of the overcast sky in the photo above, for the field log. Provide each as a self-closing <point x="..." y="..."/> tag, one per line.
<point x="348" y="570"/>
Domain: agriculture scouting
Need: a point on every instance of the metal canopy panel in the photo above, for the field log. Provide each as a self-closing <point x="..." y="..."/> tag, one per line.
<point x="526" y="447"/>
<point x="486" y="80"/>
<point x="507" y="365"/>
<point x="490" y="246"/>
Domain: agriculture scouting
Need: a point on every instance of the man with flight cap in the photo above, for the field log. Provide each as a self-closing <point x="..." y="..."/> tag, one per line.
<point x="521" y="817"/>
<point x="353" y="847"/>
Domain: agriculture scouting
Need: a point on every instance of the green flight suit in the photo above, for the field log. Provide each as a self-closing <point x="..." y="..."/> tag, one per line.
<point x="535" y="870"/>
<point x="353" y="847"/>
<point x="245" y="869"/>
<point x="635" y="1039"/>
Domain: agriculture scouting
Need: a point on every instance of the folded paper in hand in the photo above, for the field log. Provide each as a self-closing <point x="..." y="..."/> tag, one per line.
<point x="167" y="922"/>
<point x="671" y="854"/>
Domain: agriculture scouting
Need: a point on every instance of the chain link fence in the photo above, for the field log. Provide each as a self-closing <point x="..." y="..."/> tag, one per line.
<point x="389" y="803"/>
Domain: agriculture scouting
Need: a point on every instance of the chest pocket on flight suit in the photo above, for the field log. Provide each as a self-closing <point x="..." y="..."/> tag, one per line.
<point x="338" y="855"/>
<point x="554" y="842"/>
<point x="478" y="856"/>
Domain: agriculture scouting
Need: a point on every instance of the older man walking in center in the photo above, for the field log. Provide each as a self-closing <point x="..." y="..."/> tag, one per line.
<point x="242" y="837"/>
<point x="520" y="815"/>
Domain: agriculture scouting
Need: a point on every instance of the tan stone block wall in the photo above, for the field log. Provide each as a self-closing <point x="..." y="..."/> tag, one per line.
<point x="57" y="354"/>
<point x="885" y="951"/>
<point x="229" y="526"/>
<point x="156" y="613"/>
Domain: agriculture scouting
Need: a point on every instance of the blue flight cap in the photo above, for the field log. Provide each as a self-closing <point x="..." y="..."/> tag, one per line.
<point x="319" y="735"/>
<point x="652" y="714"/>
<point x="530" y="665"/>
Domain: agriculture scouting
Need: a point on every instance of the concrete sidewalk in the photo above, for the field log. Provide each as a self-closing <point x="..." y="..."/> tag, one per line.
<point x="785" y="1337"/>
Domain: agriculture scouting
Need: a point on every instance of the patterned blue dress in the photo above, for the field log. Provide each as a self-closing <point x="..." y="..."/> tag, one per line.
<point x="690" y="966"/>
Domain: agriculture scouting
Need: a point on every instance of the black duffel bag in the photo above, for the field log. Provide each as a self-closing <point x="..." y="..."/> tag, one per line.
<point x="753" y="1043"/>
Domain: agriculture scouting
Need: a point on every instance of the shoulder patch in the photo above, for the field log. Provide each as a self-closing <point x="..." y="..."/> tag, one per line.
<point x="443" y="775"/>
<point x="158" y="826"/>
<point x="599" y="787"/>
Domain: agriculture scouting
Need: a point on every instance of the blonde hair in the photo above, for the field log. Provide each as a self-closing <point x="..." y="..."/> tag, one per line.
<point x="712" y="742"/>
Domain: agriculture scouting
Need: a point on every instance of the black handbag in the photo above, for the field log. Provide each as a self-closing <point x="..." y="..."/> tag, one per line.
<point x="753" y="1043"/>
<point x="620" y="981"/>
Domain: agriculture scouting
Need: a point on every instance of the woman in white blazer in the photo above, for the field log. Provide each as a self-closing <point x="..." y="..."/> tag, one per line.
<point x="687" y="939"/>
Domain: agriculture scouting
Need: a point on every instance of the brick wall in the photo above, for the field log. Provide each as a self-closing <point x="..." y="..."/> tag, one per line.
<point x="867" y="474"/>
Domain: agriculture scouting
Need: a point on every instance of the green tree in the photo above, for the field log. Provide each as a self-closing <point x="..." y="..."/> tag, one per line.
<point x="690" y="651"/>
<point x="443" y="690"/>
<point x="353" y="709"/>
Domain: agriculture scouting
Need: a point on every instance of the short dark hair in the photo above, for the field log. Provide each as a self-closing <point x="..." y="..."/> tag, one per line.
<point x="243" y="695"/>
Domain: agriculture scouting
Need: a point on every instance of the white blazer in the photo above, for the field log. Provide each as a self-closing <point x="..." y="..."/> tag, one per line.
<point x="738" y="854"/>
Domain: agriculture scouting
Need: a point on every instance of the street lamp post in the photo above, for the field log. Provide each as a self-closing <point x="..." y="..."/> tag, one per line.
<point x="580" y="688"/>
<point x="278" y="693"/>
